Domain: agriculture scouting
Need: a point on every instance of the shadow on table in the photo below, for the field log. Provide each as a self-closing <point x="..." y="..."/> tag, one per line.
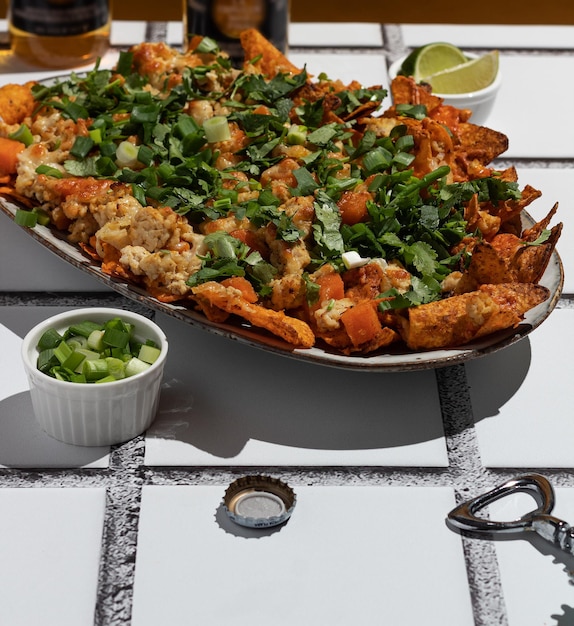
<point x="24" y="444"/>
<point x="496" y="378"/>
<point x="219" y="394"/>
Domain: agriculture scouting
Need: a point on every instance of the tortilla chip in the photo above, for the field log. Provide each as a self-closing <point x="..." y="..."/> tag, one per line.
<point x="480" y="143"/>
<point x="229" y="299"/>
<point x="458" y="320"/>
<point x="262" y="56"/>
<point x="405" y="90"/>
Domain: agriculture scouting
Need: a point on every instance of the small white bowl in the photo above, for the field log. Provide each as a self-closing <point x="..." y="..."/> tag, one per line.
<point x="479" y="102"/>
<point x="87" y="414"/>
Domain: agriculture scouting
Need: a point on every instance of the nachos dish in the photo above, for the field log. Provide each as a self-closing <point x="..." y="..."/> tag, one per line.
<point x="294" y="203"/>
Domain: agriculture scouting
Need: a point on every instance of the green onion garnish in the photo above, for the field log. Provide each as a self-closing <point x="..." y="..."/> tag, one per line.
<point x="217" y="129"/>
<point x="28" y="219"/>
<point x="88" y="352"/>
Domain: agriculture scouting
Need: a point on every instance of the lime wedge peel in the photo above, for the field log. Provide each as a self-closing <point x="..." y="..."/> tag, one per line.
<point x="468" y="77"/>
<point x="431" y="59"/>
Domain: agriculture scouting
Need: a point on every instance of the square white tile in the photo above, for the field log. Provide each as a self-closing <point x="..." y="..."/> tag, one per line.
<point x="536" y="588"/>
<point x="369" y="68"/>
<point x="335" y="34"/>
<point x="50" y="541"/>
<point x="126" y="33"/>
<point x="556" y="186"/>
<point x="490" y="36"/>
<point x="224" y="403"/>
<point x="532" y="86"/>
<point x="348" y="555"/>
<point x="522" y="398"/>
<point x="22" y="442"/>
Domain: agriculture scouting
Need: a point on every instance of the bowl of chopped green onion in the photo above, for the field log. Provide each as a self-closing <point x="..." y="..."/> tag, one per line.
<point x="95" y="374"/>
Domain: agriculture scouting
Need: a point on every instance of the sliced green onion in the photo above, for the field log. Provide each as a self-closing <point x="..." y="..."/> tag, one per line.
<point x="377" y="160"/>
<point x="405" y="142"/>
<point x="149" y="354"/>
<point x="127" y="154"/>
<point x="84" y="329"/>
<point x="77" y="378"/>
<point x="106" y="166"/>
<point x="403" y="158"/>
<point x="23" y="134"/>
<point x="106" y="379"/>
<point x="28" y="219"/>
<point x="95" y="370"/>
<point x="222" y="203"/>
<point x="41" y="216"/>
<point x="62" y="351"/>
<point x="207" y="46"/>
<point x="46" y="360"/>
<point x="48" y="170"/>
<point x="74" y="360"/>
<point x="124" y="64"/>
<point x="88" y="352"/>
<point x="297" y="135"/>
<point x="143" y="113"/>
<point x="82" y="146"/>
<point x="89" y="355"/>
<point x="96" y="135"/>
<point x="49" y="339"/>
<point x="115" y="337"/>
<point x="76" y="342"/>
<point x="136" y="366"/>
<point x="145" y="155"/>
<point x="217" y="129"/>
<point x="116" y="367"/>
<point x="96" y="340"/>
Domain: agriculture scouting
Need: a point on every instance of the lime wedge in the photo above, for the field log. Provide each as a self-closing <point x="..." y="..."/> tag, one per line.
<point x="431" y="59"/>
<point x="466" y="77"/>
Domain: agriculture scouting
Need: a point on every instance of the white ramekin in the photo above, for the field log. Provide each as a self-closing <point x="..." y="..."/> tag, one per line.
<point x="89" y="414"/>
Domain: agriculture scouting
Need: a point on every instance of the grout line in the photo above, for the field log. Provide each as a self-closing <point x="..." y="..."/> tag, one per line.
<point x="120" y="532"/>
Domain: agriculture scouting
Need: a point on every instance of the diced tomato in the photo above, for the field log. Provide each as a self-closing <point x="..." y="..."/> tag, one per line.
<point x="361" y="322"/>
<point x="9" y="151"/>
<point x="353" y="206"/>
<point x="250" y="239"/>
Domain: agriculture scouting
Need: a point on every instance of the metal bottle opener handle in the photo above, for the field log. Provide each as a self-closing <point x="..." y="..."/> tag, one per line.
<point x="561" y="534"/>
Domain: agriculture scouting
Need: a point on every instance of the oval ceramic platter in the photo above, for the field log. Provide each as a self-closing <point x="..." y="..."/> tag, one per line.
<point x="394" y="360"/>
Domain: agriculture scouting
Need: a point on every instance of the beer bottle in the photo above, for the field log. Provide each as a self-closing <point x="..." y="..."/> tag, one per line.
<point x="223" y="21"/>
<point x="59" y="33"/>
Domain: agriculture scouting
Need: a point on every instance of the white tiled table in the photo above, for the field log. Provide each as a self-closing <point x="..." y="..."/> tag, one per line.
<point x="135" y="534"/>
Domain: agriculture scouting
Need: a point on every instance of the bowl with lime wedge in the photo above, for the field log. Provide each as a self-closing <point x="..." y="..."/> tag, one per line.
<point x="462" y="79"/>
<point x="95" y="374"/>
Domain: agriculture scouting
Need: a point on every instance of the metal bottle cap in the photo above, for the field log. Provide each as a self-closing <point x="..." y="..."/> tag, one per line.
<point x="259" y="501"/>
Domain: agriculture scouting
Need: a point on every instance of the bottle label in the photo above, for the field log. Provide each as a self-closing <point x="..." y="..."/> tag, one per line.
<point x="223" y="21"/>
<point x="59" y="18"/>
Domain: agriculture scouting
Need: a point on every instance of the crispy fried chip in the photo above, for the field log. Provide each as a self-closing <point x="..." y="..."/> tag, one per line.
<point x="457" y="320"/>
<point x="480" y="143"/>
<point x="405" y="90"/>
<point x="263" y="56"/>
<point x="229" y="299"/>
